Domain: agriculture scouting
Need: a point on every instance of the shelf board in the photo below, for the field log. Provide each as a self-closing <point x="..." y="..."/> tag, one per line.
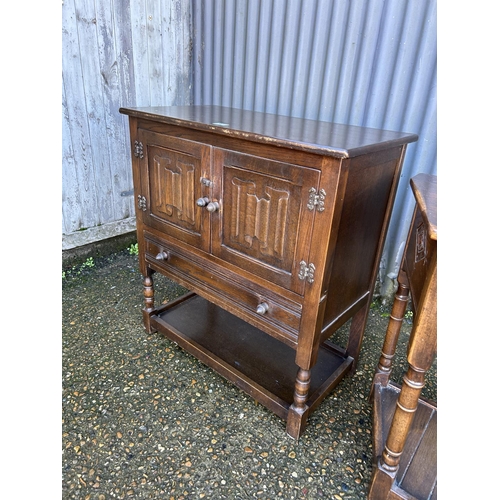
<point x="255" y="362"/>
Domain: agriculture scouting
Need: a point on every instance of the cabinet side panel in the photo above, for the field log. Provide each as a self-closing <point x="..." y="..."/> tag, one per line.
<point x="369" y="194"/>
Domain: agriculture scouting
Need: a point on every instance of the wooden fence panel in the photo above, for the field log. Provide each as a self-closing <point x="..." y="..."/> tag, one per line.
<point x="78" y="167"/>
<point x="114" y="53"/>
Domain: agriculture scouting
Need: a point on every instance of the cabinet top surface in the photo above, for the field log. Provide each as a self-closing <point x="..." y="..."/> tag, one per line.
<point x="424" y="188"/>
<point x="331" y="139"/>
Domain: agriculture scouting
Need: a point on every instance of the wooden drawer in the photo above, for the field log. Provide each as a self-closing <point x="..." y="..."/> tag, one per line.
<point x="261" y="307"/>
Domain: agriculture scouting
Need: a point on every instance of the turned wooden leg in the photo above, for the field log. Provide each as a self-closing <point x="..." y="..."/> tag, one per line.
<point x="388" y="464"/>
<point x="384" y="368"/>
<point x="421" y="353"/>
<point x="298" y="411"/>
<point x="407" y="404"/>
<point x="149" y="300"/>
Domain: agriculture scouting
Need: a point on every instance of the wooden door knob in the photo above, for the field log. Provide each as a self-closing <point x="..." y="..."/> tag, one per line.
<point x="213" y="206"/>
<point x="202" y="202"/>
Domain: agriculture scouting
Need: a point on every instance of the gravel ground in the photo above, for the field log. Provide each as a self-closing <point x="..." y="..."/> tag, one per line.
<point x="143" y="419"/>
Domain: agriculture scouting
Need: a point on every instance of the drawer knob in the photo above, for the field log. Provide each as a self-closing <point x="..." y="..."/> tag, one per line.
<point x="162" y="256"/>
<point x="213" y="206"/>
<point x="262" y="308"/>
<point x="202" y="202"/>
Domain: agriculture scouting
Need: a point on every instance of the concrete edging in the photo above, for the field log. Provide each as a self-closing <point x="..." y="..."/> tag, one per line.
<point x="98" y="241"/>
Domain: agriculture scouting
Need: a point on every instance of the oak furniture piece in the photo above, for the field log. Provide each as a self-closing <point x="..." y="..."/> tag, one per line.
<point x="405" y="425"/>
<point x="276" y="226"/>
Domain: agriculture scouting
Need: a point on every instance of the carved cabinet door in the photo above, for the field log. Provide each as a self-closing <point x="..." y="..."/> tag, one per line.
<point x="263" y="224"/>
<point x="171" y="170"/>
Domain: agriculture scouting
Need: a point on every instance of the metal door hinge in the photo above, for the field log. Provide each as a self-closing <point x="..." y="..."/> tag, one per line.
<point x="141" y="202"/>
<point x="306" y="272"/>
<point x="316" y="199"/>
<point x="138" y="150"/>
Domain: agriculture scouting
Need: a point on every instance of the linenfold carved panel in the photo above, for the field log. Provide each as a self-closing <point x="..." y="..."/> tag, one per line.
<point x="263" y="226"/>
<point x="170" y="172"/>
<point x="259" y="218"/>
<point x="173" y="186"/>
<point x="173" y="189"/>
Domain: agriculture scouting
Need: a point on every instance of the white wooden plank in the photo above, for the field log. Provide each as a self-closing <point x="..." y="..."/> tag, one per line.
<point x="78" y="127"/>
<point x="71" y="205"/>
<point x="118" y="144"/>
<point x="86" y="20"/>
<point x="140" y="52"/>
<point x="122" y="27"/>
<point x="155" y="55"/>
<point x="124" y="54"/>
<point x="115" y="54"/>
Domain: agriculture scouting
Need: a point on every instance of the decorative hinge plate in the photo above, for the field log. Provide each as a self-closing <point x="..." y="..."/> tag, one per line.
<point x="138" y="150"/>
<point x="316" y="199"/>
<point x="306" y="272"/>
<point x="141" y="202"/>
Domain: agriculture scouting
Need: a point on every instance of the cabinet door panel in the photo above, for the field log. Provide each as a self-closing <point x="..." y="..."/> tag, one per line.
<point x="263" y="225"/>
<point x="171" y="170"/>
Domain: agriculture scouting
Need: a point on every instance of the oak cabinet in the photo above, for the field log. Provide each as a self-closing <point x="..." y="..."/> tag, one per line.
<point x="276" y="225"/>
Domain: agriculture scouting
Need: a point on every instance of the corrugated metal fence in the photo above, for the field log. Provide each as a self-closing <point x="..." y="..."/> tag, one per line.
<point x="370" y="63"/>
<point x="363" y="62"/>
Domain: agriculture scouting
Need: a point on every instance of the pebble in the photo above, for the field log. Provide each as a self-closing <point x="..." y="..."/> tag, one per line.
<point x="143" y="419"/>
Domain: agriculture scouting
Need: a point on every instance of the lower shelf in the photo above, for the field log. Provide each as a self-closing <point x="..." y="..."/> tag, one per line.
<point x="255" y="362"/>
<point x="417" y="473"/>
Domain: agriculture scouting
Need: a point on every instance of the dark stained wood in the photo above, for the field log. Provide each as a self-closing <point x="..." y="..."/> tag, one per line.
<point x="405" y="426"/>
<point x="277" y="225"/>
<point x="424" y="188"/>
<point x="173" y="169"/>
<point x="416" y="478"/>
<point x="243" y="354"/>
<point x="330" y="139"/>
<point x="263" y="228"/>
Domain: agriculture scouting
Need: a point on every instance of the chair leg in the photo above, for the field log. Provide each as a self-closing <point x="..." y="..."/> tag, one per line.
<point x="386" y="469"/>
<point x="384" y="368"/>
<point x="407" y="404"/>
